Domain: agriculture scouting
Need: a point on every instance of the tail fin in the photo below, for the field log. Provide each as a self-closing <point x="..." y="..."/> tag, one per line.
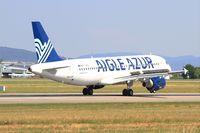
<point x="44" y="49"/>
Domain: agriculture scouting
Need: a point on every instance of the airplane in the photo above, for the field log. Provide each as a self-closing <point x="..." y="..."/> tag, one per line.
<point x="95" y="73"/>
<point x="10" y="70"/>
<point x="24" y="74"/>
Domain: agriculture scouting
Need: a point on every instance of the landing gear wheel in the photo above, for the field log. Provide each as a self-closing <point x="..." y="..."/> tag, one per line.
<point x="127" y="92"/>
<point x="85" y="91"/>
<point x="90" y="91"/>
<point x="124" y="92"/>
<point x="130" y="92"/>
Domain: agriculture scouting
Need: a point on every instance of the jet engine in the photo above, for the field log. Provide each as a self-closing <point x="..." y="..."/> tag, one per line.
<point x="154" y="84"/>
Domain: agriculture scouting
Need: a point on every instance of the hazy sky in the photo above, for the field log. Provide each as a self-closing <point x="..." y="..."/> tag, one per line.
<point x="78" y="27"/>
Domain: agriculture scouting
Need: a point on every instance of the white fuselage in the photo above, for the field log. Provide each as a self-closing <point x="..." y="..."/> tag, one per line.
<point x="98" y="71"/>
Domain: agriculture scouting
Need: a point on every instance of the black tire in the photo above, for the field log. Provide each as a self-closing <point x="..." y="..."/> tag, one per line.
<point x="85" y="91"/>
<point x="130" y="92"/>
<point x="90" y="91"/>
<point x="124" y="92"/>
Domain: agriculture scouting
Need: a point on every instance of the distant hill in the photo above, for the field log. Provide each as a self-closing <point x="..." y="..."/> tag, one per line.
<point x="13" y="54"/>
<point x="179" y="62"/>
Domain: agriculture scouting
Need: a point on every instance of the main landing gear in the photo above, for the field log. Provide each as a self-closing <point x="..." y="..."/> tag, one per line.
<point x="128" y="91"/>
<point x="88" y="91"/>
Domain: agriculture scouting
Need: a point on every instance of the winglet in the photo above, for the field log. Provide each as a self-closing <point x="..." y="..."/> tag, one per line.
<point x="185" y="71"/>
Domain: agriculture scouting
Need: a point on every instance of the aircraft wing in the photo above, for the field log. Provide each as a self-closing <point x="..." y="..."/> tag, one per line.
<point x="184" y="71"/>
<point x="141" y="75"/>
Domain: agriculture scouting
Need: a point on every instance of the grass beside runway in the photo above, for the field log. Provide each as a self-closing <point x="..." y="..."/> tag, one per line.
<point x="44" y="85"/>
<point x="101" y="117"/>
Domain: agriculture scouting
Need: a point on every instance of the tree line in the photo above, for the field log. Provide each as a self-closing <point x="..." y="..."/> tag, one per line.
<point x="193" y="72"/>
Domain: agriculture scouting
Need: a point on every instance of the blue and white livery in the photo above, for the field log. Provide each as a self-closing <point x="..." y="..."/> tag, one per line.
<point x="44" y="48"/>
<point x="94" y="73"/>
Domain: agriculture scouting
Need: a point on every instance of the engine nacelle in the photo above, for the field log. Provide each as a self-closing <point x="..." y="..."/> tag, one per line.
<point x="155" y="83"/>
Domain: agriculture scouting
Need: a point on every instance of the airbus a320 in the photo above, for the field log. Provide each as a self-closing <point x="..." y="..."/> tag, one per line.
<point x="95" y="73"/>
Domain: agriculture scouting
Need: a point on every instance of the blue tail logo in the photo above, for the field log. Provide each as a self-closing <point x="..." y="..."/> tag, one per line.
<point x="44" y="48"/>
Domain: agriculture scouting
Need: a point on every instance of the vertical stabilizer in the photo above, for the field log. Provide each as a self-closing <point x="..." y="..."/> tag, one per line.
<point x="44" y="48"/>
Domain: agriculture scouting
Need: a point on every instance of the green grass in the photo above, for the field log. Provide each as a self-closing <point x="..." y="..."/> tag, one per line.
<point x="101" y="117"/>
<point x="44" y="85"/>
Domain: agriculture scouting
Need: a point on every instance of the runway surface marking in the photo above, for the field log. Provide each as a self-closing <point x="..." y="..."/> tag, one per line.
<point x="10" y="98"/>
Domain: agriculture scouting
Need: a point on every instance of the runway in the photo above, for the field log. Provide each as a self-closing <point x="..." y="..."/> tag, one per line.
<point x="12" y="98"/>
